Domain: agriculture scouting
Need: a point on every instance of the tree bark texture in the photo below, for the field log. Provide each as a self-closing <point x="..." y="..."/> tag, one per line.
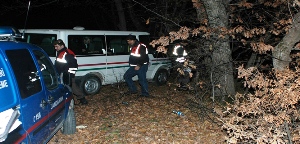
<point x="222" y="67"/>
<point x="281" y="53"/>
<point x="121" y="14"/>
<point x="201" y="13"/>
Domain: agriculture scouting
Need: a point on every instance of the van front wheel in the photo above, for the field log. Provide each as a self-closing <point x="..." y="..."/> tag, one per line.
<point x="91" y="84"/>
<point x="161" y="77"/>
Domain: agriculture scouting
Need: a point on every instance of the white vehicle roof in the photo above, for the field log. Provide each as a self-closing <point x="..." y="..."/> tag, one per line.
<point x="81" y="31"/>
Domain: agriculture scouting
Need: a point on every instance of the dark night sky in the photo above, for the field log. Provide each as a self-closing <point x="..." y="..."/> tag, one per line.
<point x="53" y="16"/>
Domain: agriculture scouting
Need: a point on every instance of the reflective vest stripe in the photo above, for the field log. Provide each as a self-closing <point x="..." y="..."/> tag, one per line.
<point x="136" y="65"/>
<point x="62" y="59"/>
<point x="175" y="50"/>
<point x="181" y="59"/>
<point x="72" y="70"/>
<point x="136" y="52"/>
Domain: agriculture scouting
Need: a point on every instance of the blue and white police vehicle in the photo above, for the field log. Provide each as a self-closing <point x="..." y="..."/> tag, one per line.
<point x="34" y="104"/>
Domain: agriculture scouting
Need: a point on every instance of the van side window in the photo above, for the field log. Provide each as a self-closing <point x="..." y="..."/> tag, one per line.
<point x="118" y="45"/>
<point x="95" y="45"/>
<point x="42" y="40"/>
<point x="47" y="70"/>
<point x="98" y="45"/>
<point x="47" y="45"/>
<point x="145" y="40"/>
<point x="25" y="71"/>
<point x="157" y="54"/>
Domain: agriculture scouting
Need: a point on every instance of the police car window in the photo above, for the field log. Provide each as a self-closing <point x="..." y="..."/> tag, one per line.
<point x="49" y="76"/>
<point x="25" y="71"/>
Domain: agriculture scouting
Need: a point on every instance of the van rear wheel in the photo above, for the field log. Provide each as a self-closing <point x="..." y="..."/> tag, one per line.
<point x="161" y="77"/>
<point x="91" y="84"/>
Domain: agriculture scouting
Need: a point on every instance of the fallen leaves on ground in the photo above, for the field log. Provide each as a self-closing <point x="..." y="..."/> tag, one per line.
<point x="111" y="117"/>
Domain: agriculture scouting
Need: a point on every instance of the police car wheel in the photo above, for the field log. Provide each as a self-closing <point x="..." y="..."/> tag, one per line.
<point x="69" y="126"/>
<point x="161" y="77"/>
<point x="91" y="84"/>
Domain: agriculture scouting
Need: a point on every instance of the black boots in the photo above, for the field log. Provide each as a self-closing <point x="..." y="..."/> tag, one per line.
<point x="83" y="101"/>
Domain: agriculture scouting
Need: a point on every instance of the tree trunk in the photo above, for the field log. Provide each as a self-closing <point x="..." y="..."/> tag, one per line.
<point x="122" y="20"/>
<point x="281" y="53"/>
<point x="222" y="67"/>
<point x="135" y="20"/>
<point x="201" y="13"/>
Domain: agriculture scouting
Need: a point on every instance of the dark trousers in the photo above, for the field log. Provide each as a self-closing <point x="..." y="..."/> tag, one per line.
<point x="141" y="73"/>
<point x="69" y="79"/>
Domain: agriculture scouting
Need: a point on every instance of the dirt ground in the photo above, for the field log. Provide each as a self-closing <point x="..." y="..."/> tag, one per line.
<point x="111" y="117"/>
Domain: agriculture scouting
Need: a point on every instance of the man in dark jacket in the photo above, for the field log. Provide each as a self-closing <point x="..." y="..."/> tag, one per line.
<point x="138" y="61"/>
<point x="66" y="65"/>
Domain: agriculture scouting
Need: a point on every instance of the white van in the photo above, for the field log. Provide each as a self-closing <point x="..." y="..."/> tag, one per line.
<point x="107" y="59"/>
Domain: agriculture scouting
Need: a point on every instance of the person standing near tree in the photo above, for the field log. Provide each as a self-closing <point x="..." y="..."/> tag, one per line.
<point x="180" y="52"/>
<point x="66" y="65"/>
<point x="182" y="65"/>
<point x="138" y="61"/>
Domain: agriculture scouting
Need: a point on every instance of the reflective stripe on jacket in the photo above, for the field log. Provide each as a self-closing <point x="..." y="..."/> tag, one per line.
<point x="182" y="52"/>
<point x="136" y="50"/>
<point x="138" y="55"/>
<point x="66" y="61"/>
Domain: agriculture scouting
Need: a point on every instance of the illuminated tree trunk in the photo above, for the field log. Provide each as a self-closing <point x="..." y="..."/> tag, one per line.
<point x="222" y="67"/>
<point x="281" y="53"/>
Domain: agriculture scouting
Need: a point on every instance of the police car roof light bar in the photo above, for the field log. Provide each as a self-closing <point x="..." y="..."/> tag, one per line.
<point x="8" y="33"/>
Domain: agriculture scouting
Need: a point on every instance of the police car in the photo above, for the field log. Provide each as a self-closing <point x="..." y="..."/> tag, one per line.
<point x="34" y="103"/>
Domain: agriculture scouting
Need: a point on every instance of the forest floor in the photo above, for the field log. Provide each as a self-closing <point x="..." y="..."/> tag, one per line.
<point x="111" y="117"/>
